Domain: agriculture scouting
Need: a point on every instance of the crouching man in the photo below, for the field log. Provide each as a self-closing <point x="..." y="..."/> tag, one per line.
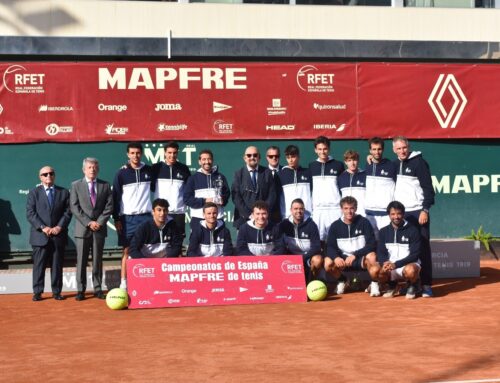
<point x="256" y="237"/>
<point x="398" y="251"/>
<point x="158" y="237"/>
<point x="210" y="237"/>
<point x="299" y="235"/>
<point x="351" y="247"/>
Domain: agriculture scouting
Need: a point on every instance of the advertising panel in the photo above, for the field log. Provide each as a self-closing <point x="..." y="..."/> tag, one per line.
<point x="176" y="282"/>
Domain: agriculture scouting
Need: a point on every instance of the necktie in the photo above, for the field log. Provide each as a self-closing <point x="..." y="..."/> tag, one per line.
<point x="50" y="197"/>
<point x="254" y="178"/>
<point x="92" y="193"/>
<point x="274" y="172"/>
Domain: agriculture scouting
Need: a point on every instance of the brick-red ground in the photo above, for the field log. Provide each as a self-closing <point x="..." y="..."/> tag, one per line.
<point x="352" y="338"/>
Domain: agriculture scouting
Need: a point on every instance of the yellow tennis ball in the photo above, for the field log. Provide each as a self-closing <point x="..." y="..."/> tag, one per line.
<point x="316" y="290"/>
<point x="117" y="299"/>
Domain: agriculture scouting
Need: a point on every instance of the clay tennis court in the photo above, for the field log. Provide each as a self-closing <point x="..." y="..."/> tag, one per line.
<point x="352" y="338"/>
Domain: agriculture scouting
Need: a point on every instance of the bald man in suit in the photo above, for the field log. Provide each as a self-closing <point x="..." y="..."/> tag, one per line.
<point x="48" y="212"/>
<point x="91" y="203"/>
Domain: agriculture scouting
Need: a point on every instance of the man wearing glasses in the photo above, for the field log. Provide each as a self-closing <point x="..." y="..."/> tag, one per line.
<point x="273" y="164"/>
<point x="49" y="214"/>
<point x="251" y="183"/>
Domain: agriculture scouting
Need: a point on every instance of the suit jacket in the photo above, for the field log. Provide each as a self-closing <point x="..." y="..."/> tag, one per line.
<point x="84" y="212"/>
<point x="39" y="214"/>
<point x="244" y="194"/>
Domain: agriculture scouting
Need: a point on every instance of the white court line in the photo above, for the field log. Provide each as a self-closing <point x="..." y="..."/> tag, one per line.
<point x="471" y="381"/>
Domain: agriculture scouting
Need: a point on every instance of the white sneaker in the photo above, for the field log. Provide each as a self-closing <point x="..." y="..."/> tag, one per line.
<point x="341" y="286"/>
<point x="374" y="289"/>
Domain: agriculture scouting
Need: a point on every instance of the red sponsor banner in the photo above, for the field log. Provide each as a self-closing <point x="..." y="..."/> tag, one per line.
<point x="71" y="102"/>
<point x="429" y="100"/>
<point x="176" y="282"/>
<point x="85" y="102"/>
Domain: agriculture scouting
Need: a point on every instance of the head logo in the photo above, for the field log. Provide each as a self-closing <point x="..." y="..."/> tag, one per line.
<point x="444" y="117"/>
<point x="309" y="79"/>
<point x="16" y="80"/>
<point x="141" y="271"/>
<point x="289" y="267"/>
<point x="222" y="127"/>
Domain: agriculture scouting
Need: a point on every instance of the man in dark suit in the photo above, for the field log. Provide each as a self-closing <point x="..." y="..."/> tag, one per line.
<point x="251" y="183"/>
<point x="91" y="203"/>
<point x="48" y="213"/>
<point x="273" y="163"/>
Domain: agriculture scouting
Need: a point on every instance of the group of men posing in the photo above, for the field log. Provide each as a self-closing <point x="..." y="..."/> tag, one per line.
<point x="337" y="216"/>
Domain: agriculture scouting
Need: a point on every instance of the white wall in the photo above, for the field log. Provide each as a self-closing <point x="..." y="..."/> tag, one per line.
<point x="154" y="19"/>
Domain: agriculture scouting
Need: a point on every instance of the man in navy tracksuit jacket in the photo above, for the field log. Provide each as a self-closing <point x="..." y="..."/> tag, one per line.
<point x="210" y="237"/>
<point x="170" y="177"/>
<point x="351" y="246"/>
<point x="353" y="181"/>
<point x="158" y="237"/>
<point x="295" y="182"/>
<point x="380" y="185"/>
<point x="206" y="185"/>
<point x="415" y="191"/>
<point x="325" y="189"/>
<point x="398" y="251"/>
<point x="131" y="200"/>
<point x="298" y="234"/>
<point x="256" y="236"/>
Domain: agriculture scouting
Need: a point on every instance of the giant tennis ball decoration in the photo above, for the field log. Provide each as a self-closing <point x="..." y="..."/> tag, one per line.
<point x="316" y="290"/>
<point x="117" y="299"/>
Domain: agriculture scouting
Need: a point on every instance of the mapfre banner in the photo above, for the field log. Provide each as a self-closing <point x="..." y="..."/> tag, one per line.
<point x="174" y="282"/>
<point x="78" y="102"/>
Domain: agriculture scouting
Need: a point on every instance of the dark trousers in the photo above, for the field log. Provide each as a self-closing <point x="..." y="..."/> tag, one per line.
<point x="44" y="256"/>
<point x="425" y="252"/>
<point x="180" y="223"/>
<point x="83" y="247"/>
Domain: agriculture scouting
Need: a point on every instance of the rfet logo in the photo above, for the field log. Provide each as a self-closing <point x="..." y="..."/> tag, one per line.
<point x="141" y="271"/>
<point x="17" y="79"/>
<point x="291" y="268"/>
<point x="310" y="79"/>
<point x="453" y="114"/>
<point x="222" y="127"/>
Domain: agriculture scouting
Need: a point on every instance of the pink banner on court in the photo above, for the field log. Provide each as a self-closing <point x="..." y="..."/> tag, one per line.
<point x="177" y="282"/>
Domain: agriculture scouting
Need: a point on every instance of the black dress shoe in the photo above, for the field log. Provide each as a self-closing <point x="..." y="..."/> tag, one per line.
<point x="58" y="297"/>
<point x="80" y="296"/>
<point x="100" y="295"/>
<point x="37" y="297"/>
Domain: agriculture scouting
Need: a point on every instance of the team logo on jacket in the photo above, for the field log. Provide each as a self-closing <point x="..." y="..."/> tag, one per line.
<point x="304" y="235"/>
<point x="357" y="231"/>
<point x="360" y="183"/>
<point x="268" y="237"/>
<point x="384" y="173"/>
<point x="407" y="170"/>
<point x="220" y="239"/>
<point x="404" y="239"/>
<point x="179" y="175"/>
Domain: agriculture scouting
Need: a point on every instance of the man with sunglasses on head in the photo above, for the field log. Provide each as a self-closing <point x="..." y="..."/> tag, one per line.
<point x="273" y="164"/>
<point x="49" y="214"/>
<point x="251" y="183"/>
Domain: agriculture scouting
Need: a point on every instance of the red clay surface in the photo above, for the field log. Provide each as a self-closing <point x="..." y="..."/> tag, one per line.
<point x="352" y="338"/>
